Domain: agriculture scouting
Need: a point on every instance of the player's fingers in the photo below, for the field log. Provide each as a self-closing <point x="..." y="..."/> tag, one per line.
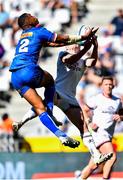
<point x="95" y="30"/>
<point x="92" y="28"/>
<point x="94" y="36"/>
<point x="94" y="39"/>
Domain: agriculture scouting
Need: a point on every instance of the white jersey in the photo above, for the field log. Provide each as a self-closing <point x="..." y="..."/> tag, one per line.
<point x="103" y="110"/>
<point x="68" y="78"/>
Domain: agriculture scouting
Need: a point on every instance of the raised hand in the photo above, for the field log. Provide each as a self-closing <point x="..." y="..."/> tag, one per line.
<point x="94" y="41"/>
<point x="88" y="34"/>
<point x="94" y="30"/>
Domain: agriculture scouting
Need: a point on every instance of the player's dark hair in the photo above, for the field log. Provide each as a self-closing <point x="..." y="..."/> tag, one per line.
<point x="21" y="20"/>
<point x="108" y="78"/>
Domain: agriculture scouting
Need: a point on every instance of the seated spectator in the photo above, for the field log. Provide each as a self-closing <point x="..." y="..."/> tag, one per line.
<point x="119" y="128"/>
<point x="104" y="40"/>
<point x="15" y="29"/>
<point x="117" y="22"/>
<point x="108" y="60"/>
<point x="7" y="123"/>
<point x="2" y="51"/>
<point x="117" y="45"/>
<point x="5" y="82"/>
<point x="11" y="141"/>
<point x="4" y="18"/>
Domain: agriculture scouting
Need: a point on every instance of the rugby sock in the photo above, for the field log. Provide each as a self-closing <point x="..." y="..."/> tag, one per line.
<point x="48" y="122"/>
<point x="49" y="95"/>
<point x="89" y="142"/>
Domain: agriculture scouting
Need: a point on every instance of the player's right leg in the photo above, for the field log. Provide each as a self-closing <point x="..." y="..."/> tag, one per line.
<point x="35" y="100"/>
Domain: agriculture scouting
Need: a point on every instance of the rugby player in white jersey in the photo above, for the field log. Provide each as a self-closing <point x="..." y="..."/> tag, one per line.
<point x="70" y="68"/>
<point x="106" y="112"/>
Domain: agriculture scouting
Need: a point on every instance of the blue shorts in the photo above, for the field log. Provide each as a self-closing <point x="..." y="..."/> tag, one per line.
<point x="26" y="78"/>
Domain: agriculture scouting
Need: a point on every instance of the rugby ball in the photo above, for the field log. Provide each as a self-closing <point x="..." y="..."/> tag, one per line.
<point x="83" y="30"/>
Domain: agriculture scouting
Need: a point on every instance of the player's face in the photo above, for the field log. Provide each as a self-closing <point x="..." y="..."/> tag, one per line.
<point x="107" y="86"/>
<point x="32" y="20"/>
<point x="73" y="49"/>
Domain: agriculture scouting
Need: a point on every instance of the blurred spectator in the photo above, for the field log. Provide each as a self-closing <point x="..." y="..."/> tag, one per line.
<point x="94" y="74"/>
<point x="4" y="18"/>
<point x="5" y="82"/>
<point x="90" y="83"/>
<point x="55" y="4"/>
<point x="119" y="127"/>
<point x="7" y="123"/>
<point x="117" y="22"/>
<point x="108" y="61"/>
<point x="11" y="141"/>
<point x="78" y="9"/>
<point x="74" y="11"/>
<point x="117" y="45"/>
<point x="104" y="40"/>
<point x="15" y="29"/>
<point x="82" y="9"/>
<point x="6" y="134"/>
<point x="119" y="124"/>
<point x="2" y="51"/>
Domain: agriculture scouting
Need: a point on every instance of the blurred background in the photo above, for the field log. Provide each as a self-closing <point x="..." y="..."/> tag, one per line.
<point x="34" y="151"/>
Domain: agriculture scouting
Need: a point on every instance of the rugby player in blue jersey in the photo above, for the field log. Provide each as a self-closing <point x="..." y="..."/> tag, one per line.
<point x="27" y="75"/>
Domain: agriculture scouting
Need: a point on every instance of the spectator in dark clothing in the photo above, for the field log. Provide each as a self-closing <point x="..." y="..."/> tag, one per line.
<point x="117" y="21"/>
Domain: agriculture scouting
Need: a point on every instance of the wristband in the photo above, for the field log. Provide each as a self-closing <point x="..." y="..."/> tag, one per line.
<point x="74" y="38"/>
<point x="81" y="43"/>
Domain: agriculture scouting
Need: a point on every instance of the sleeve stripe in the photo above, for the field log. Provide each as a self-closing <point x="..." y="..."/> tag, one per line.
<point x="54" y="38"/>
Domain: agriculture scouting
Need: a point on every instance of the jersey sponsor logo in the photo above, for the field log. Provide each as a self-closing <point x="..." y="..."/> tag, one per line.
<point x="29" y="34"/>
<point x="110" y="110"/>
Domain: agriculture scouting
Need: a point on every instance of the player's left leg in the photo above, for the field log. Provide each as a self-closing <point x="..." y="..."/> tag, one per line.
<point x="88" y="170"/>
<point x="106" y="148"/>
<point x="48" y="83"/>
<point x="97" y="155"/>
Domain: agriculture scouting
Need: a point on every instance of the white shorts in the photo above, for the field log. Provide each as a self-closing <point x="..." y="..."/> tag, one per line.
<point x="101" y="136"/>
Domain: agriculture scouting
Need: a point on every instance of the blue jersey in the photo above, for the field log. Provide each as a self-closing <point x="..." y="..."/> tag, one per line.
<point x="29" y="46"/>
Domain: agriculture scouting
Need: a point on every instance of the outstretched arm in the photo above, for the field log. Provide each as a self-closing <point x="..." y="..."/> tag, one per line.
<point x="95" y="50"/>
<point x="75" y="38"/>
<point x="72" y="58"/>
<point x="54" y="44"/>
<point x="91" y="61"/>
<point x="64" y="40"/>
